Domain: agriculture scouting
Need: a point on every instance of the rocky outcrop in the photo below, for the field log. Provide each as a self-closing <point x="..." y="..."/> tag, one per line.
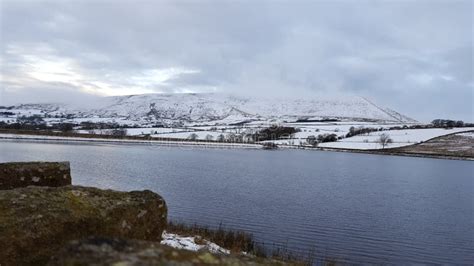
<point x="23" y="174"/>
<point x="35" y="222"/>
<point x="109" y="251"/>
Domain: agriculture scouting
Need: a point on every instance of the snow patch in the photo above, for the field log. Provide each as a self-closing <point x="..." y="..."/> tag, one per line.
<point x="466" y="134"/>
<point x="191" y="243"/>
<point x="400" y="138"/>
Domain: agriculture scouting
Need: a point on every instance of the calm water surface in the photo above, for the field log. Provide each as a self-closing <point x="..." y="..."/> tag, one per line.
<point x="354" y="207"/>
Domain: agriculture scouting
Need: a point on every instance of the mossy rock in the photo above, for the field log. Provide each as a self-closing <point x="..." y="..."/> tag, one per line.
<point x="35" y="222"/>
<point x="113" y="251"/>
<point x="23" y="174"/>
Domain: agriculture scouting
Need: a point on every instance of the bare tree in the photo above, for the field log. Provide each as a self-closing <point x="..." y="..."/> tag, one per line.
<point x="119" y="132"/>
<point x="231" y="137"/>
<point x="193" y="136"/>
<point x="249" y="137"/>
<point x="239" y="138"/>
<point x="221" y="138"/>
<point x="384" y="140"/>
<point x="311" y="140"/>
<point x="209" y="137"/>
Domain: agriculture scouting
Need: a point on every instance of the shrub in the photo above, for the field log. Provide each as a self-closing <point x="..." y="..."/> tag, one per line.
<point x="358" y="131"/>
<point x="66" y="127"/>
<point x="193" y="136"/>
<point x="221" y="138"/>
<point x="119" y="132"/>
<point x="327" y="138"/>
<point x="275" y="132"/>
<point x="312" y="140"/>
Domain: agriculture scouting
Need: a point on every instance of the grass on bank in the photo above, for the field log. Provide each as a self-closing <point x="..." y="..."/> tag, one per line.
<point x="239" y="241"/>
<point x="235" y="241"/>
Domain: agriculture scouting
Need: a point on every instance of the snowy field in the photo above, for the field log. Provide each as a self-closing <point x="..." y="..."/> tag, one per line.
<point x="203" y="132"/>
<point x="129" y="141"/>
<point x="400" y="138"/>
<point x="214" y="117"/>
<point x="138" y="131"/>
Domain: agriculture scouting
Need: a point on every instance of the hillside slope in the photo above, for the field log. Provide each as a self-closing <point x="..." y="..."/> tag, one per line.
<point x="217" y="108"/>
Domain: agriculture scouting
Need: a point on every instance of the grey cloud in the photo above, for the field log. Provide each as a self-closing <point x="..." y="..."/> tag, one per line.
<point x="377" y="49"/>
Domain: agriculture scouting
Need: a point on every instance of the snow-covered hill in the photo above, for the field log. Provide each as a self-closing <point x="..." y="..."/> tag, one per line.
<point x="214" y="108"/>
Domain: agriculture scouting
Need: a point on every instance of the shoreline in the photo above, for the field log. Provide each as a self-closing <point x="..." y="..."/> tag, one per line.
<point x="171" y="143"/>
<point x="387" y="153"/>
<point x="213" y="145"/>
<point x="404" y="154"/>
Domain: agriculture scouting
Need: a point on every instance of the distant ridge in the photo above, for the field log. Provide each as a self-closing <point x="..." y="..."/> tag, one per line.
<point x="217" y="108"/>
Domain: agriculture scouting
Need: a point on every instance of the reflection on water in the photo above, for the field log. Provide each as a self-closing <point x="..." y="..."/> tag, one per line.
<point x="358" y="207"/>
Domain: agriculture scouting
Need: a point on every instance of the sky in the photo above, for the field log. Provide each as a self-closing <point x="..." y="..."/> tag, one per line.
<point x="413" y="56"/>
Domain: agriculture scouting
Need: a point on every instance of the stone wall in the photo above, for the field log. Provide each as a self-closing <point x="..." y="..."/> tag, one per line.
<point x="23" y="174"/>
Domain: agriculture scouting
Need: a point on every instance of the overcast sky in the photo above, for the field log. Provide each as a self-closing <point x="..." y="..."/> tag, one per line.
<point x="413" y="56"/>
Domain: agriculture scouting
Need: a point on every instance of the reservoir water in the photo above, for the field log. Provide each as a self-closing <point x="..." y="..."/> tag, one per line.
<point x="356" y="208"/>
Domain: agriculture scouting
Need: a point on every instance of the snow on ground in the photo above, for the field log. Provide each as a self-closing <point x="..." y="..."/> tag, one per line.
<point x="130" y="141"/>
<point x="27" y="112"/>
<point x="185" y="135"/>
<point x="152" y="130"/>
<point x="8" y="119"/>
<point x="400" y="138"/>
<point x="466" y="134"/>
<point x="211" y="109"/>
<point x="118" y="120"/>
<point x="306" y="129"/>
<point x="339" y="128"/>
<point x="191" y="243"/>
<point x="137" y="131"/>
